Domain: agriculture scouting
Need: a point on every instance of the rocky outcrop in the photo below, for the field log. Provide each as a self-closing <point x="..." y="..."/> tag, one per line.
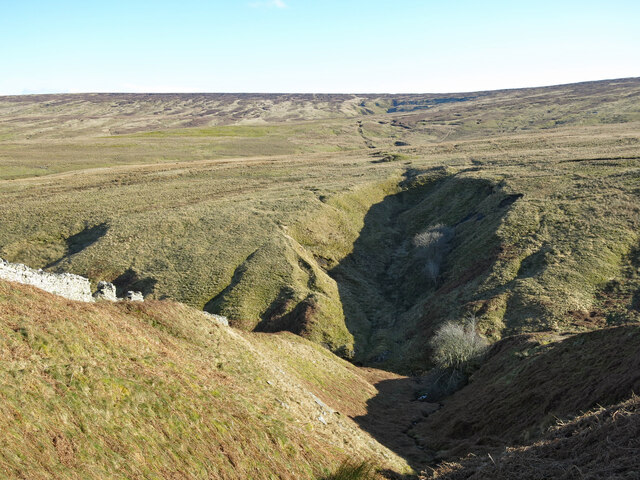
<point x="106" y="291"/>
<point x="67" y="285"/>
<point x="134" y="296"/>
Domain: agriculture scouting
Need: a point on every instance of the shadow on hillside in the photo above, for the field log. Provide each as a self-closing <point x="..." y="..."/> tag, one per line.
<point x="393" y="413"/>
<point x="635" y="263"/>
<point x="212" y="306"/>
<point x="349" y="474"/>
<point x="552" y="381"/>
<point x="395" y="290"/>
<point x="81" y="240"/>
<point x="131" y="280"/>
<point x="391" y="285"/>
<point x="87" y="237"/>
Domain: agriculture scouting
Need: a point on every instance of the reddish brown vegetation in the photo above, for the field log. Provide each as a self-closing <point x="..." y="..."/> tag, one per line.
<point x="526" y="385"/>
<point x="604" y="443"/>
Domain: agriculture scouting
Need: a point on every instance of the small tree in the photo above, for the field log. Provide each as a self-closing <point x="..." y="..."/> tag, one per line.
<point x="455" y="345"/>
<point x="433" y="246"/>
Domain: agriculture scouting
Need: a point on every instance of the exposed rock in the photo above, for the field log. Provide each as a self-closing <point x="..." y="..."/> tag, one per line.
<point x="134" y="296"/>
<point x="322" y="405"/>
<point x="67" y="285"/>
<point x="222" y="320"/>
<point x="106" y="291"/>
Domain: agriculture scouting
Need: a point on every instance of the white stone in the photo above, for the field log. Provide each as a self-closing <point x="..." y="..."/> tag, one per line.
<point x="134" y="296"/>
<point x="222" y="320"/>
<point x="67" y="285"/>
<point x="106" y="291"/>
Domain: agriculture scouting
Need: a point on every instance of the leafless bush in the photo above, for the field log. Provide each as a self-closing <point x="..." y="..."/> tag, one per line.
<point x="455" y="345"/>
<point x="433" y="245"/>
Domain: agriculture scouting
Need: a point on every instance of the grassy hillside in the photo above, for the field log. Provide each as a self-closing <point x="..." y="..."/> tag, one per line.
<point x="352" y="224"/>
<point x="305" y="221"/>
<point x="544" y="407"/>
<point x="159" y="390"/>
<point x="602" y="443"/>
<point x="530" y="381"/>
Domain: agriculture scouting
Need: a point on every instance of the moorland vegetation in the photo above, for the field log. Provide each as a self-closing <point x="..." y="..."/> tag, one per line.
<point x="326" y="228"/>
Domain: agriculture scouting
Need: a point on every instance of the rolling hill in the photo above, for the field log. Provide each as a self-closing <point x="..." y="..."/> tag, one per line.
<point x="359" y="223"/>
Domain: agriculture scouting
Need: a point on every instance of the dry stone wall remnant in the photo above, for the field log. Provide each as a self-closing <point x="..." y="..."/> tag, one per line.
<point x="106" y="291"/>
<point x="67" y="285"/>
<point x="134" y="296"/>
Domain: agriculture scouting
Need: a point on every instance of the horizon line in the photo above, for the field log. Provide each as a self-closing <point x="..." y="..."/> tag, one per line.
<point x="316" y="93"/>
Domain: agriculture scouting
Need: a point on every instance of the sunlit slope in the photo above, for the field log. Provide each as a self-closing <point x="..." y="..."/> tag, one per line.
<point x="547" y="247"/>
<point x="159" y="390"/>
<point x="44" y="134"/>
<point x="539" y="193"/>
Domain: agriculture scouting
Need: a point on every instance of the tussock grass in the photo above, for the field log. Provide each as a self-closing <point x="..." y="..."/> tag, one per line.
<point x="158" y="390"/>
<point x="526" y="382"/>
<point x="354" y="471"/>
<point x="601" y="443"/>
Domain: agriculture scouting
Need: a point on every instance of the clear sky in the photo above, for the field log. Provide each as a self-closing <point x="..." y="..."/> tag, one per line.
<point x="313" y="45"/>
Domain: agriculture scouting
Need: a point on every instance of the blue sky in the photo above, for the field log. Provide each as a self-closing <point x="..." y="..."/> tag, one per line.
<point x="313" y="45"/>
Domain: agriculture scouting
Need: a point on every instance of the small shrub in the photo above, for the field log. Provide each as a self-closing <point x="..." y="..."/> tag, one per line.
<point x="455" y="345"/>
<point x="456" y="348"/>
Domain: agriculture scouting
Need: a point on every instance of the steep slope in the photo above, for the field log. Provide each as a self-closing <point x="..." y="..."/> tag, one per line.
<point x="525" y="403"/>
<point x="529" y="381"/>
<point x="160" y="390"/>
<point x="523" y="413"/>
<point x="602" y="443"/>
<point x="521" y="250"/>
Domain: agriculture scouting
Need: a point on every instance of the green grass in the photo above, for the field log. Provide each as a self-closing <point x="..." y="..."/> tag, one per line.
<point x="278" y="212"/>
<point x="225" y="131"/>
<point x="294" y="223"/>
<point x="353" y="471"/>
<point x="156" y="390"/>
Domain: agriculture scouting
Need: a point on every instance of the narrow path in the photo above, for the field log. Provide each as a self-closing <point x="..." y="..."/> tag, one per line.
<point x="367" y="141"/>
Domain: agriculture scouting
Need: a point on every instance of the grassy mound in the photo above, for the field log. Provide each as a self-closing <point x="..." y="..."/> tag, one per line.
<point x="159" y="390"/>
